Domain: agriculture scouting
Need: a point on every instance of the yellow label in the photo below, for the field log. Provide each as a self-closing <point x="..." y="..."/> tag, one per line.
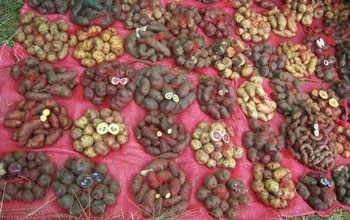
<point x="157" y="196"/>
<point x="170" y="131"/>
<point x="159" y="133"/>
<point x="102" y="128"/>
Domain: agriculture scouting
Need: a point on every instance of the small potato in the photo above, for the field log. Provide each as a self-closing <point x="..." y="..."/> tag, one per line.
<point x="202" y="157"/>
<point x="76" y="133"/>
<point x="208" y="148"/>
<point x="196" y="144"/>
<point x="237" y="152"/>
<point x="77" y="146"/>
<point x="81" y="122"/>
<point x="86" y="141"/>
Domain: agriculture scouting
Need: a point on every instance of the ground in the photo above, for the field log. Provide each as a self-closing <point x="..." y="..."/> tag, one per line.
<point x="8" y="25"/>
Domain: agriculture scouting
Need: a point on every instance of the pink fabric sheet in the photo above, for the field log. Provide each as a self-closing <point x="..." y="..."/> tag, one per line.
<point x="124" y="164"/>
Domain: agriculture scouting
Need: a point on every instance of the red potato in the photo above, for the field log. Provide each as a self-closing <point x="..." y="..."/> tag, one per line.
<point x="34" y="122"/>
<point x="40" y="80"/>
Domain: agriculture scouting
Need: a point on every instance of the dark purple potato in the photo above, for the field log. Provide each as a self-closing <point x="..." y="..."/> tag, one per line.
<point x="98" y="207"/>
<point x="114" y="187"/>
<point x="44" y="180"/>
<point x="48" y="168"/>
<point x="40" y="158"/>
<point x="39" y="192"/>
<point x="28" y="196"/>
<point x="73" y="189"/>
<point x="80" y="166"/>
<point x="59" y="188"/>
<point x="109" y="199"/>
<point x="66" y="201"/>
<point x="101" y="168"/>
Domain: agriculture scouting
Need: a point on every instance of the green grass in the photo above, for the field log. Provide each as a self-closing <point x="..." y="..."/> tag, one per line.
<point x="8" y="25"/>
<point x="9" y="20"/>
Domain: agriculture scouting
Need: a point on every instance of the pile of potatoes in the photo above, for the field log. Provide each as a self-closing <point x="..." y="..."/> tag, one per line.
<point x="326" y="102"/>
<point x="159" y="89"/>
<point x="266" y="59"/>
<point x="93" y="46"/>
<point x="273" y="185"/>
<point x="300" y="62"/>
<point x="343" y="59"/>
<point x="25" y="176"/>
<point x="341" y="177"/>
<point x="325" y="68"/>
<point x="342" y="140"/>
<point x="240" y="3"/>
<point x="317" y="191"/>
<point x="253" y="100"/>
<point x="336" y="10"/>
<point x="216" y="22"/>
<point x="83" y="187"/>
<point x="305" y="11"/>
<point x="191" y="51"/>
<point x="315" y="43"/>
<point x="97" y="133"/>
<point x="149" y="43"/>
<point x="287" y="93"/>
<point x="262" y="143"/>
<point x="213" y="147"/>
<point x="42" y="38"/>
<point x="113" y="80"/>
<point x="310" y="136"/>
<point x="41" y="80"/>
<point x="37" y="123"/>
<point x="253" y="27"/>
<point x="50" y="6"/>
<point x="231" y="58"/>
<point x="339" y="29"/>
<point x="181" y="19"/>
<point x="162" y="136"/>
<point x="342" y="89"/>
<point x="97" y="12"/>
<point x="161" y="189"/>
<point x="217" y="97"/>
<point x="282" y="22"/>
<point x="139" y="13"/>
<point x="222" y="194"/>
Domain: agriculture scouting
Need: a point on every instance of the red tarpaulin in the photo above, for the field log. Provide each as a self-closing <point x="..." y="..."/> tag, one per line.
<point x="128" y="161"/>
